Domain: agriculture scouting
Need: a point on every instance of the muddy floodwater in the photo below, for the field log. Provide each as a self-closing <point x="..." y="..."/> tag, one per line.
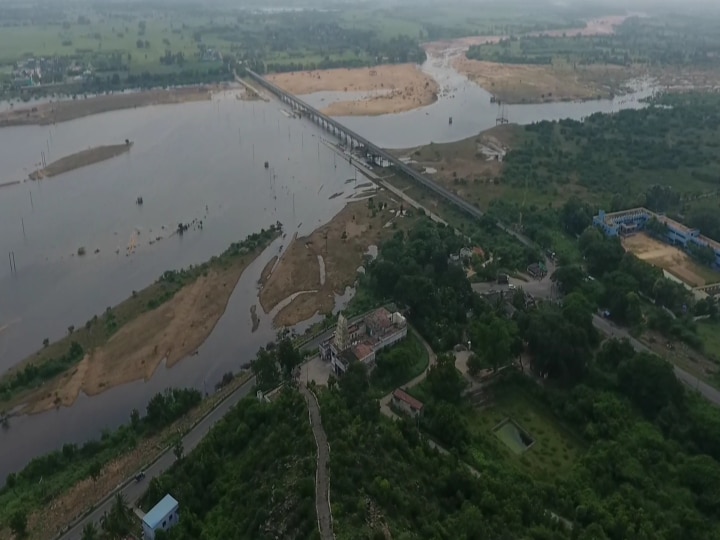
<point x="469" y="107"/>
<point x="235" y="166"/>
<point x="202" y="161"/>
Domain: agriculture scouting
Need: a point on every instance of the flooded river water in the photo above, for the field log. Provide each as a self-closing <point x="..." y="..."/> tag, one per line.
<point x="202" y="160"/>
<point x="470" y="108"/>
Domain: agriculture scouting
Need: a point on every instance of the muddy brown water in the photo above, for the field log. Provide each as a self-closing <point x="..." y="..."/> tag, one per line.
<point x="195" y="161"/>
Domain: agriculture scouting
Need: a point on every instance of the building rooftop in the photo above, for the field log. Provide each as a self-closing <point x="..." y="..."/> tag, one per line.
<point x="160" y="511"/>
<point x="363" y="350"/>
<point x="402" y="395"/>
<point x="710" y="242"/>
<point x="380" y="319"/>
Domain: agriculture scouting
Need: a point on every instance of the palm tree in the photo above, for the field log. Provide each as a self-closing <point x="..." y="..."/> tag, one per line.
<point x="118" y="522"/>
<point x="90" y="532"/>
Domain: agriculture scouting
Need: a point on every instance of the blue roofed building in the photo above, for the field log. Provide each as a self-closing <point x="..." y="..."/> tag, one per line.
<point x="627" y="222"/>
<point x="161" y="517"/>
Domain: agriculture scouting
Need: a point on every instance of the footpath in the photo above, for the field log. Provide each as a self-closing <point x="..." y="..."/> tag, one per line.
<point x="322" y="471"/>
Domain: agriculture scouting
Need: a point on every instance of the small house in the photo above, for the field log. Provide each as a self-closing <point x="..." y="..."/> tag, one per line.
<point x="161" y="517"/>
<point x="406" y="403"/>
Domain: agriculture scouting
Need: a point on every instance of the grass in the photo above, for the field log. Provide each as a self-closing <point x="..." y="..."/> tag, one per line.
<point x="555" y="448"/>
<point x="709" y="332"/>
<point x="411" y="348"/>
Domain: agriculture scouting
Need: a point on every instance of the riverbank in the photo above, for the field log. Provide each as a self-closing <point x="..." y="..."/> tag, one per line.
<point x="76" y="496"/>
<point x="164" y="322"/>
<point x="81" y="159"/>
<point x="390" y="88"/>
<point x="317" y="267"/>
<point x="63" y="111"/>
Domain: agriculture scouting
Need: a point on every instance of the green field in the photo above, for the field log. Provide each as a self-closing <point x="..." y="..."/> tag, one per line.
<point x="554" y="450"/>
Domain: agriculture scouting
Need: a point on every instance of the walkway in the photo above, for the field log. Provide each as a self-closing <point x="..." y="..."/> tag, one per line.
<point x="432" y="360"/>
<point x="322" y="471"/>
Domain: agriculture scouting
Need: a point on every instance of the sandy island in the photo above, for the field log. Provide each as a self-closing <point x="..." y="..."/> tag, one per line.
<point x="81" y="159"/>
<point x="396" y="88"/>
<point x="62" y="111"/>
<point x="170" y="332"/>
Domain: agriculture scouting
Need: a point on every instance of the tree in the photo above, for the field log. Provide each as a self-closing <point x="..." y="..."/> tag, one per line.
<point x="135" y="419"/>
<point x="266" y="370"/>
<point x="95" y="470"/>
<point x="178" y="449"/>
<point x="118" y="522"/>
<point x="288" y="357"/>
<point x="446" y="383"/>
<point x="569" y="278"/>
<point x="650" y="383"/>
<point x="90" y="532"/>
<point x="18" y="524"/>
<point x="492" y="338"/>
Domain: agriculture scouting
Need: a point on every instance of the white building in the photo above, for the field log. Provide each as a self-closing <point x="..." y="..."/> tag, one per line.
<point x="161" y="517"/>
<point x="362" y="341"/>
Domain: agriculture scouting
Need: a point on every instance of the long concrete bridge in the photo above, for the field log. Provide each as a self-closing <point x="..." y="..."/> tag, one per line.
<point x="356" y="141"/>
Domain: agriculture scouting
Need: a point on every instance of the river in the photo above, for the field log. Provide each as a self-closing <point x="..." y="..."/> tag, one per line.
<point x="470" y="108"/>
<point x="201" y="160"/>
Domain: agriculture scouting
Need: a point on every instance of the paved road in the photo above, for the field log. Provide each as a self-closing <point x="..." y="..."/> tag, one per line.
<point x="134" y="490"/>
<point x="546" y="289"/>
<point x="707" y="391"/>
<point x="322" y="470"/>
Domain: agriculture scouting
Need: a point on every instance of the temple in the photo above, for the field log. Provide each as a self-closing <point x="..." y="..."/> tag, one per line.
<point x="363" y="339"/>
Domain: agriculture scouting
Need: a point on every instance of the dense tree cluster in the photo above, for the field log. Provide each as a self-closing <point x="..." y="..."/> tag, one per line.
<point x="661" y="157"/>
<point x="251" y="477"/>
<point x="415" y="270"/>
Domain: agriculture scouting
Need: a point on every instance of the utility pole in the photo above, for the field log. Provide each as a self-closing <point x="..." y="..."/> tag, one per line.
<point x="31" y="201"/>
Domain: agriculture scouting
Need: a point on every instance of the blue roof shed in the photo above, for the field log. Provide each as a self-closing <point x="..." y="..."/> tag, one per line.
<point x="160" y="511"/>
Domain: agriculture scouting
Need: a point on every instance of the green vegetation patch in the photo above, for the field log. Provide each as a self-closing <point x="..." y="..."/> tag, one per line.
<point x="529" y="434"/>
<point x="398" y="364"/>
<point x="251" y="477"/>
